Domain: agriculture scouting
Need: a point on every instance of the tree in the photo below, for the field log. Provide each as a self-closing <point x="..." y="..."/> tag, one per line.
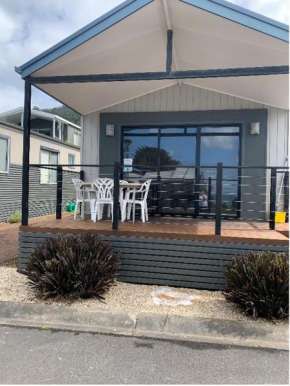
<point x="149" y="156"/>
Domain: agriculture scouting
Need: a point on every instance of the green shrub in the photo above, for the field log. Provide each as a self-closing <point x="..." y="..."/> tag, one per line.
<point x="72" y="267"/>
<point x="259" y="282"/>
<point x="15" y="217"/>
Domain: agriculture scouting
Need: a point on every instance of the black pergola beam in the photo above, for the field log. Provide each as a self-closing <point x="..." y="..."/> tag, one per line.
<point x="169" y="51"/>
<point x="139" y="76"/>
<point x="26" y="149"/>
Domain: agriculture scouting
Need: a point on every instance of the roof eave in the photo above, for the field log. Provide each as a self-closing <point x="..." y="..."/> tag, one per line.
<point x="81" y="36"/>
<point x="243" y="16"/>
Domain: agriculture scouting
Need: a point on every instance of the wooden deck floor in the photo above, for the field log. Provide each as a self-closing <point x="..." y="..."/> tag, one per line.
<point x="170" y="228"/>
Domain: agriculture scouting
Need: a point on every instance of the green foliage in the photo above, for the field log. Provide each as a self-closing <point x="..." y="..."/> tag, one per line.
<point x="65" y="113"/>
<point x="149" y="155"/>
<point x="15" y="217"/>
<point x="72" y="267"/>
<point x="259" y="282"/>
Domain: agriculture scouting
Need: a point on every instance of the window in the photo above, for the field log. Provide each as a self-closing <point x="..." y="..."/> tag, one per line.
<point x="175" y="149"/>
<point x="48" y="157"/>
<point x="71" y="160"/>
<point x="4" y="154"/>
<point x="77" y="139"/>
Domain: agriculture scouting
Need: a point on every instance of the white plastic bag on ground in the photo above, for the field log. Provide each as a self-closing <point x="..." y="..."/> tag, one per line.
<point x="169" y="297"/>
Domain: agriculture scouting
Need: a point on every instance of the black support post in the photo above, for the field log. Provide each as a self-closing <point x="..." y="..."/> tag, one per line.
<point x="273" y="190"/>
<point x="286" y="195"/>
<point x="219" y="200"/>
<point x="82" y="175"/>
<point x="169" y="51"/>
<point x="116" y="196"/>
<point x="209" y="195"/>
<point x="59" y="193"/>
<point x="26" y="150"/>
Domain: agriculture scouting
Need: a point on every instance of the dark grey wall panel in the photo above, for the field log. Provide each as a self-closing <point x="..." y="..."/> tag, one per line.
<point x="192" y="264"/>
<point x="42" y="197"/>
<point x="253" y="147"/>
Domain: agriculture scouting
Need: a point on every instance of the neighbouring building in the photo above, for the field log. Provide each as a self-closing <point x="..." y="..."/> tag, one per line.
<point x="47" y="124"/>
<point x="44" y="150"/>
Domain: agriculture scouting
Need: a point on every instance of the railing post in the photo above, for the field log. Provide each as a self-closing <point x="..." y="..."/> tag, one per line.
<point x="209" y="195"/>
<point x="286" y="195"/>
<point x="219" y="194"/>
<point x="196" y="192"/>
<point x="82" y="175"/>
<point x="59" y="193"/>
<point x="116" y="196"/>
<point x="273" y="190"/>
<point x="26" y="150"/>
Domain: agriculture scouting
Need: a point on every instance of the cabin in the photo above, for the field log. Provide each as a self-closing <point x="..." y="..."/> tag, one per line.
<point x="192" y="95"/>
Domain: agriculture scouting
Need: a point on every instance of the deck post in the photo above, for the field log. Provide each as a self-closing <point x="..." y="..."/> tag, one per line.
<point x="219" y="193"/>
<point x="169" y="51"/>
<point x="286" y="195"/>
<point x="116" y="196"/>
<point x="273" y="190"/>
<point x="59" y="193"/>
<point x="82" y="175"/>
<point x="26" y="150"/>
<point x="209" y="195"/>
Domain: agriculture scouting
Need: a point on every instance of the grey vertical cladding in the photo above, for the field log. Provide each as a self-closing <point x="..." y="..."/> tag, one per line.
<point x="42" y="197"/>
<point x="179" y="263"/>
<point x="186" y="97"/>
<point x="254" y="147"/>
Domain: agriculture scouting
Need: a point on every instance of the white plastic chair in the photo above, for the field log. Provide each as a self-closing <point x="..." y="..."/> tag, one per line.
<point x="80" y="196"/>
<point x="122" y="193"/>
<point x="104" y="196"/>
<point x="141" y="200"/>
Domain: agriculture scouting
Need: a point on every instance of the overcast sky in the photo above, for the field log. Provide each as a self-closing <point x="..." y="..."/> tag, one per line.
<point x="28" y="27"/>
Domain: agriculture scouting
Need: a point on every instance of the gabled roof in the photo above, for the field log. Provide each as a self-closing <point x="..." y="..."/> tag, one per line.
<point x="132" y="38"/>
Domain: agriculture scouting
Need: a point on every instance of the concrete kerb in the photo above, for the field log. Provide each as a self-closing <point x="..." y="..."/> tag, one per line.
<point x="171" y="327"/>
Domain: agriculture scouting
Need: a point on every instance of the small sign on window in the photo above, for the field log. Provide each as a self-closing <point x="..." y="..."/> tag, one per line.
<point x="128" y="162"/>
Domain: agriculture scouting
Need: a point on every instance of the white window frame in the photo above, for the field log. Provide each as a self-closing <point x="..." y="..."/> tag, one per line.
<point x="79" y="138"/>
<point x="51" y="151"/>
<point x="8" y="153"/>
<point x="71" y="166"/>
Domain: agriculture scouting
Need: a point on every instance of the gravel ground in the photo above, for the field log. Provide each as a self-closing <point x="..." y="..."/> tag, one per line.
<point x="128" y="297"/>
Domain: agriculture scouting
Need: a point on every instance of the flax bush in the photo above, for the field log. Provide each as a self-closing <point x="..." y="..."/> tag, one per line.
<point x="259" y="283"/>
<point x="72" y="267"/>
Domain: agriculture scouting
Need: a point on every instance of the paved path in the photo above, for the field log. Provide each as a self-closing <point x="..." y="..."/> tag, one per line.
<point x="47" y="357"/>
<point x="8" y="242"/>
<point x="9" y="237"/>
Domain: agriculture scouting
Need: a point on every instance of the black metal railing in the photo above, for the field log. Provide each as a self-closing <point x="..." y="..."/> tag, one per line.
<point x="244" y="193"/>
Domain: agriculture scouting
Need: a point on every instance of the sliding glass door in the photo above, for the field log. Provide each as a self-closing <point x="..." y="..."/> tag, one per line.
<point x="178" y="160"/>
<point x="221" y="144"/>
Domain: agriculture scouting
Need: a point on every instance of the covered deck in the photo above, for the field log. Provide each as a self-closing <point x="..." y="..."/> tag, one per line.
<point x="233" y="231"/>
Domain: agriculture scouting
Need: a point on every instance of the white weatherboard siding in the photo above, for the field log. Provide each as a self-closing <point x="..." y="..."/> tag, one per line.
<point x="189" y="98"/>
<point x="90" y="144"/>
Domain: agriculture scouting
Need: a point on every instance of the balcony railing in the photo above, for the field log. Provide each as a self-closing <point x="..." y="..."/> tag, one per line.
<point x="243" y="193"/>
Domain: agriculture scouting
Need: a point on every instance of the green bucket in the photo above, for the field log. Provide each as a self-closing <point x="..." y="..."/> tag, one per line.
<point x="71" y="207"/>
